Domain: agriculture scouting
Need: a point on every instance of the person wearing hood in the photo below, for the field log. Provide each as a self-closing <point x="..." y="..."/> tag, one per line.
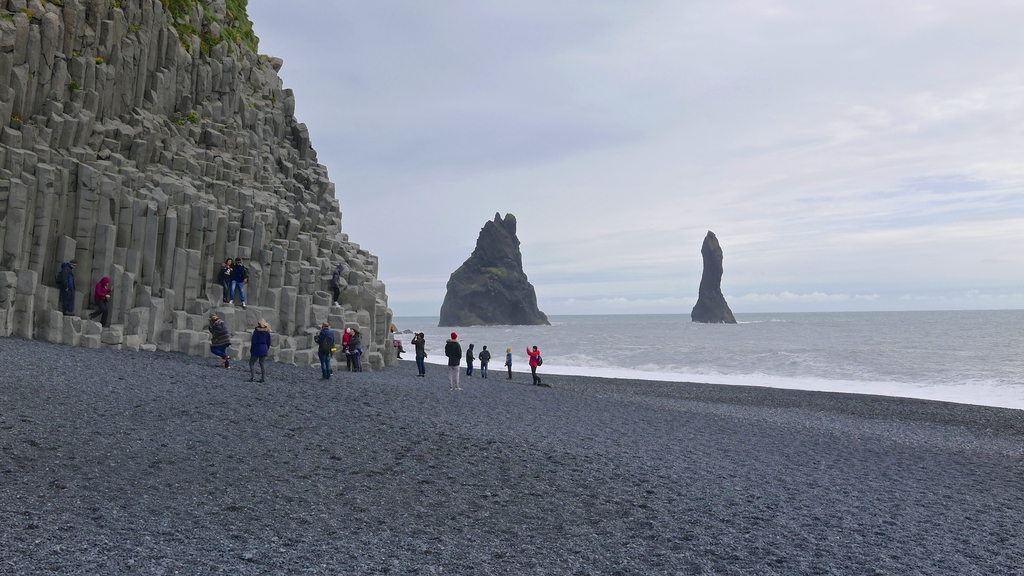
<point x="325" y="349"/>
<point x="453" y="350"/>
<point x="101" y="297"/>
<point x="259" y="350"/>
<point x="485" y="358"/>
<point x="419" y="342"/>
<point x="346" y="336"/>
<point x="221" y="339"/>
<point x="469" y="360"/>
<point x="336" y="283"/>
<point x="67" y="287"/>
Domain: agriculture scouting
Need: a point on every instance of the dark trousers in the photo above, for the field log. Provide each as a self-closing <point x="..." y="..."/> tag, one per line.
<point x="227" y="289"/>
<point x="420" y="365"/>
<point x="103" y="311"/>
<point x="252" y="367"/>
<point x="469" y="367"/>
<point x="67" y="300"/>
<point x="536" y="379"/>
<point x="337" y="293"/>
<point x="509" y="366"/>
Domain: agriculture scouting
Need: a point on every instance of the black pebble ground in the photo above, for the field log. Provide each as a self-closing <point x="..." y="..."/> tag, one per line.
<point x="151" y="463"/>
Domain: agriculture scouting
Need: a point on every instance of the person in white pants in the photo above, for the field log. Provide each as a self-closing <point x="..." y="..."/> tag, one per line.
<point x="453" y="350"/>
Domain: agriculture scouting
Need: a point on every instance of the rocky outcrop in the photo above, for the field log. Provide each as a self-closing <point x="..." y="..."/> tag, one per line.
<point x="150" y="146"/>
<point x="711" y="306"/>
<point x="490" y="288"/>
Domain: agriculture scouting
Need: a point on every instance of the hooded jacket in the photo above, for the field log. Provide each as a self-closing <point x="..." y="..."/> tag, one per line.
<point x="484" y="357"/>
<point x="453" y="350"/>
<point x="67" y="278"/>
<point x="533" y="356"/>
<point x="102" y="290"/>
<point x="260" y="340"/>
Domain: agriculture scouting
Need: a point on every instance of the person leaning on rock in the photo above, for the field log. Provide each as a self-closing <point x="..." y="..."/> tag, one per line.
<point x="224" y="277"/>
<point x="66" y="281"/>
<point x="453" y="350"/>
<point x="355" y="344"/>
<point x="419" y="342"/>
<point x="259" y="349"/>
<point x="239" y="278"/>
<point x="221" y="339"/>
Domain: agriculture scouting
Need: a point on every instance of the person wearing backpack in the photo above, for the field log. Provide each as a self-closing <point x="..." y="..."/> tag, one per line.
<point x="239" y="278"/>
<point x="66" y="282"/>
<point x="535" y="361"/>
<point x="469" y="360"/>
<point x="325" y="349"/>
<point x="484" y="358"/>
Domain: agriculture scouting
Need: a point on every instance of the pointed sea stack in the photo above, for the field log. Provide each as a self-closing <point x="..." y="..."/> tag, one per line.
<point x="490" y="288"/>
<point x="711" y="306"/>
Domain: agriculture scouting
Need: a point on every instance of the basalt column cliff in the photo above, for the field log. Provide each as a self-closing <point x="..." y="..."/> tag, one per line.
<point x="150" y="142"/>
<point x="491" y="287"/>
<point x="711" y="306"/>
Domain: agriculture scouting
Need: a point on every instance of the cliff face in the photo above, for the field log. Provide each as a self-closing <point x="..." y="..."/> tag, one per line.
<point x="711" y="306"/>
<point x="490" y="288"/>
<point x="147" y="140"/>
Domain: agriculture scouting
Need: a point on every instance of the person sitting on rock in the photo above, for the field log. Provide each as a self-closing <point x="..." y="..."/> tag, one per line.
<point x="221" y="339"/>
<point x="101" y="297"/>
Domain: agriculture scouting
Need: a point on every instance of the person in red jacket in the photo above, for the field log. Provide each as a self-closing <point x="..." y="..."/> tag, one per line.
<point x="534" y="362"/>
<point x="101" y="297"/>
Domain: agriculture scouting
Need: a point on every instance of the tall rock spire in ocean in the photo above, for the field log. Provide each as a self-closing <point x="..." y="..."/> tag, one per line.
<point x="150" y="141"/>
<point x="490" y="288"/>
<point x="711" y="306"/>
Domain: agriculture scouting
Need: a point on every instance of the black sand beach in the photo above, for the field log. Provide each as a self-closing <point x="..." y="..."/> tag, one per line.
<point x="151" y="463"/>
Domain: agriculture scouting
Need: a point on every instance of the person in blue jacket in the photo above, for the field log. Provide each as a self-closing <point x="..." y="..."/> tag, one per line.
<point x="239" y="278"/>
<point x="259" y="350"/>
<point x="67" y="287"/>
<point x="325" y="349"/>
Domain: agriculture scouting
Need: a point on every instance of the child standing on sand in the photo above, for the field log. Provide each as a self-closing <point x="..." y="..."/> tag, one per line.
<point x="508" y="361"/>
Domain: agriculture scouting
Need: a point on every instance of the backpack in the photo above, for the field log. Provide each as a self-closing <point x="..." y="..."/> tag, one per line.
<point x="539" y="360"/>
<point x="326" y="345"/>
<point x="58" y="279"/>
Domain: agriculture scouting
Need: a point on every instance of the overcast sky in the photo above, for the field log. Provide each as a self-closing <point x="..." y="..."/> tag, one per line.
<point x="848" y="155"/>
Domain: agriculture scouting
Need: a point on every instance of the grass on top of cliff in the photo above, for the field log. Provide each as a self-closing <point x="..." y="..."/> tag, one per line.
<point x="236" y="28"/>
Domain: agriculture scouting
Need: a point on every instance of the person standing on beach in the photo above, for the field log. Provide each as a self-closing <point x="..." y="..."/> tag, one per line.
<point x="259" y="349"/>
<point x="535" y="361"/>
<point x="421" y="353"/>
<point x="484" y="357"/>
<point x="336" y="284"/>
<point x="221" y="339"/>
<point x="239" y="278"/>
<point x="453" y="350"/>
<point x="101" y="297"/>
<point x="469" y="360"/>
<point x="325" y="348"/>
<point x="67" y="287"/>
<point x="224" y="277"/>
<point x="345" y="337"/>
<point x="508" y="361"/>
<point x="355" y="344"/>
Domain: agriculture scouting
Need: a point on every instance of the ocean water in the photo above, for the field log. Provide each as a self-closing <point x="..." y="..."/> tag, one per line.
<point x="973" y="357"/>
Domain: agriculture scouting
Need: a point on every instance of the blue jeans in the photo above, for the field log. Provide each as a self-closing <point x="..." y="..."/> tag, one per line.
<point x="227" y="290"/>
<point x="221" y="351"/>
<point x="325" y="364"/>
<point x="483" y="370"/>
<point x="420" y="364"/>
<point x="240" y="286"/>
<point x="469" y="367"/>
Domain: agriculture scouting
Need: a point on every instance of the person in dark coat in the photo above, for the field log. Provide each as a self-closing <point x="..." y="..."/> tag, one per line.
<point x="325" y="349"/>
<point x="259" y="350"/>
<point x="67" y="287"/>
<point x="239" y="278"/>
<point x="221" y="339"/>
<point x="469" y="360"/>
<point x="453" y="350"/>
<point x="224" y="277"/>
<point x="355" y="344"/>
<point x="421" y="353"/>
<point x="336" y="284"/>
<point x="484" y="358"/>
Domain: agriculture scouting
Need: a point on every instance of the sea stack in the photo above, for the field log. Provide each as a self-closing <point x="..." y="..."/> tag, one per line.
<point x="490" y="288"/>
<point x="711" y="307"/>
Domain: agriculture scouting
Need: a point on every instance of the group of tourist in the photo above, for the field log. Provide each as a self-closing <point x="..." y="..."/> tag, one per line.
<point x="233" y="277"/>
<point x="351" y="346"/>
<point x="100" y="297"/>
<point x="453" y="350"/>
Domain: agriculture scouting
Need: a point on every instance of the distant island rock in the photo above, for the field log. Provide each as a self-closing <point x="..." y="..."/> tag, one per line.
<point x="711" y="307"/>
<point x="490" y="288"/>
